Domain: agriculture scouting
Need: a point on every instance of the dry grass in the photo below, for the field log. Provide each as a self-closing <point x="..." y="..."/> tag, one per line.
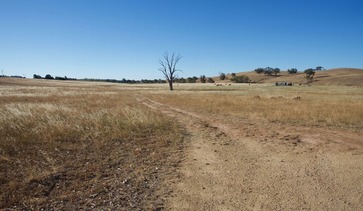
<point x="338" y="76"/>
<point x="85" y="145"/>
<point x="332" y="106"/>
<point x="76" y="118"/>
<point x="69" y="148"/>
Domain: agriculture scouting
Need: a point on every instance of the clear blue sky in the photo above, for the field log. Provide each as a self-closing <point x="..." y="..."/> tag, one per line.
<point x="126" y="38"/>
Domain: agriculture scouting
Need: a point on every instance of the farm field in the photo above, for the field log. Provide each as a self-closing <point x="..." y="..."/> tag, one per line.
<point x="82" y="145"/>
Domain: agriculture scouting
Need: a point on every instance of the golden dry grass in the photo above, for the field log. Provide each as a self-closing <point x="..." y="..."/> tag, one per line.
<point x="62" y="146"/>
<point x="102" y="117"/>
<point x="79" y="144"/>
<point x="333" y="106"/>
<point x="338" y="76"/>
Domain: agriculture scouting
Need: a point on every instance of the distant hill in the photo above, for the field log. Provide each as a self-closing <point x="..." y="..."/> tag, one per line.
<point x="337" y="76"/>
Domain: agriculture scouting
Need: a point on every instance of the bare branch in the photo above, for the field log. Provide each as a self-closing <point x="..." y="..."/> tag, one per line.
<point x="163" y="69"/>
<point x="168" y="67"/>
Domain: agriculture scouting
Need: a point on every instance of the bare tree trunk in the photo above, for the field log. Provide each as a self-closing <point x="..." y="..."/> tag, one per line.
<point x="168" y="67"/>
<point x="171" y="85"/>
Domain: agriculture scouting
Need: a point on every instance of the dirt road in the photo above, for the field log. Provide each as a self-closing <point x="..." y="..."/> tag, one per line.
<point x="234" y="164"/>
<point x="239" y="165"/>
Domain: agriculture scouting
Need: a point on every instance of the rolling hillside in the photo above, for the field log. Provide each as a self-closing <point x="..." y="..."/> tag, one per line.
<point x="337" y="76"/>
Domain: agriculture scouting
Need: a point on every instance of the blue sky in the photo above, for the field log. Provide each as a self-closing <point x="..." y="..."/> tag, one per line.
<point x="126" y="38"/>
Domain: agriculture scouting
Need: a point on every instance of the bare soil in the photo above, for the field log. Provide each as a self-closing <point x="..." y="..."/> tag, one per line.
<point x="239" y="164"/>
<point x="119" y="175"/>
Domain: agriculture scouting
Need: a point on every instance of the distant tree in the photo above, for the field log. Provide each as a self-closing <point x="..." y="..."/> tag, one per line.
<point x="191" y="80"/>
<point x="233" y="75"/>
<point x="202" y="79"/>
<point x="222" y="76"/>
<point x="276" y="71"/>
<point x="292" y="70"/>
<point x="309" y="74"/>
<point x="319" y="68"/>
<point x="240" y="79"/>
<point x="181" y="80"/>
<point x="260" y="70"/>
<point x="48" y="76"/>
<point x="268" y="71"/>
<point x="61" y="78"/>
<point x="168" y="67"/>
<point x="37" y="76"/>
<point x="210" y="80"/>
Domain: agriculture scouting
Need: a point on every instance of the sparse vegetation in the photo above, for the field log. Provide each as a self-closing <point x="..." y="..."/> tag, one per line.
<point x="63" y="148"/>
<point x="276" y="71"/>
<point x="203" y="79"/>
<point x="74" y="145"/>
<point x="292" y="71"/>
<point x="240" y="79"/>
<point x="192" y="79"/>
<point x="48" y="76"/>
<point x="309" y="74"/>
<point x="268" y="71"/>
<point x="335" y="107"/>
<point x="35" y="76"/>
<point x="319" y="68"/>
<point x="210" y="80"/>
<point x="222" y="76"/>
<point x="260" y="70"/>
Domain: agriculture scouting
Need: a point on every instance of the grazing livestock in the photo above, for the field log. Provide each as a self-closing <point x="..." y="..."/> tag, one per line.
<point x="283" y="83"/>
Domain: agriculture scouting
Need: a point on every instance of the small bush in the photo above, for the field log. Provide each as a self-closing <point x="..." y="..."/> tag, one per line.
<point x="241" y="79"/>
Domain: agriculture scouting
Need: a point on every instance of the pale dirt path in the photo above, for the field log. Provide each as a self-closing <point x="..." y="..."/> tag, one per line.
<point x="242" y="166"/>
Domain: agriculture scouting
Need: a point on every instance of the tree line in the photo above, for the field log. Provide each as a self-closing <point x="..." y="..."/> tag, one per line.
<point x="275" y="71"/>
<point x="50" y="77"/>
<point x="235" y="78"/>
<point x="193" y="79"/>
<point x="168" y="67"/>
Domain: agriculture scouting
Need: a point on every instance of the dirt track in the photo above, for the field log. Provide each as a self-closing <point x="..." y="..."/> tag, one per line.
<point x="234" y="164"/>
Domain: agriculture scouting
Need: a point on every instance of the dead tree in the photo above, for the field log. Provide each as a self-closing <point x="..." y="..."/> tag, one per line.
<point x="168" y="67"/>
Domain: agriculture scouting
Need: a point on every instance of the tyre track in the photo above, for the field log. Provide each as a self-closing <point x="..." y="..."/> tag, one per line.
<point x="225" y="169"/>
